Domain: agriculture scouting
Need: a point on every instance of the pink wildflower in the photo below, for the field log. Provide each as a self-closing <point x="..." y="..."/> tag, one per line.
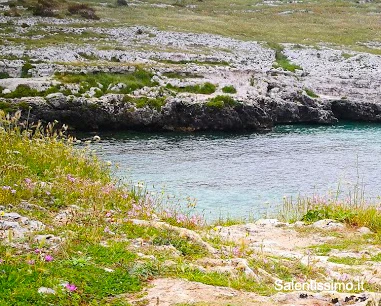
<point x="71" y="178"/>
<point x="31" y="262"/>
<point x="48" y="258"/>
<point x="71" y="287"/>
<point x="37" y="251"/>
<point x="181" y="218"/>
<point x="236" y="251"/>
<point x="13" y="191"/>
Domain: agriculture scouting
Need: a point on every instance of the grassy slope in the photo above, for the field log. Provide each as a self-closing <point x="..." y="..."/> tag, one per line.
<point x="337" y="22"/>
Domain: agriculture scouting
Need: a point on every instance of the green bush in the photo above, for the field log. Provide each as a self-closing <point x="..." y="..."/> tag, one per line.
<point x="310" y="93"/>
<point x="221" y="102"/>
<point x="4" y="75"/>
<point x="133" y="80"/>
<point x="281" y="60"/>
<point x="21" y="91"/>
<point x="44" y="8"/>
<point x="141" y="102"/>
<point x="229" y="89"/>
<point x="121" y="2"/>
<point x="83" y="10"/>
<point x="25" y="70"/>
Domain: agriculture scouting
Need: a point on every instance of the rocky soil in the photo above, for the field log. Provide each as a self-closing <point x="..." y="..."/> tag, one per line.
<point x="261" y="246"/>
<point x="327" y="85"/>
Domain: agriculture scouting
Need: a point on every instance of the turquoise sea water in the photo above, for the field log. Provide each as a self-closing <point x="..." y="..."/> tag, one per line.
<point x="241" y="175"/>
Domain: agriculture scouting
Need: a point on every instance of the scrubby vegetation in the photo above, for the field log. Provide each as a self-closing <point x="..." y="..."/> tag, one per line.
<point x="23" y="90"/>
<point x="4" y="75"/>
<point x="221" y="102"/>
<point x="83" y="10"/>
<point x="129" y="81"/>
<point x="354" y="212"/>
<point x="311" y="93"/>
<point x="206" y="88"/>
<point x="281" y="60"/>
<point x="229" y="89"/>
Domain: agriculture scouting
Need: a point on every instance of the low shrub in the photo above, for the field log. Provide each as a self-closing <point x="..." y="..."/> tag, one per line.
<point x="221" y="102"/>
<point x="21" y="91"/>
<point x="4" y="75"/>
<point x="154" y="103"/>
<point x="281" y="60"/>
<point x="121" y="2"/>
<point x="25" y="70"/>
<point x="83" y="10"/>
<point x="229" y="89"/>
<point x="310" y="93"/>
<point x="44" y="8"/>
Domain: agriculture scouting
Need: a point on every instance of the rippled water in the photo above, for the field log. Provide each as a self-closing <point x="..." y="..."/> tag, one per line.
<point x="248" y="174"/>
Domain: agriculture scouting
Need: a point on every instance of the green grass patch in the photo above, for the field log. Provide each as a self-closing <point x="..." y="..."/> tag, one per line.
<point x="281" y="60"/>
<point x="350" y="261"/>
<point x="132" y="81"/>
<point x="25" y="70"/>
<point x="352" y="243"/>
<point x="229" y="89"/>
<point x="221" y="102"/>
<point x="310" y="93"/>
<point x="182" y="75"/>
<point x="4" y="75"/>
<point x="206" y="88"/>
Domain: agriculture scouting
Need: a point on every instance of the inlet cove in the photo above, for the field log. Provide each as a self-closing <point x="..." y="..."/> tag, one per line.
<point x="190" y="152"/>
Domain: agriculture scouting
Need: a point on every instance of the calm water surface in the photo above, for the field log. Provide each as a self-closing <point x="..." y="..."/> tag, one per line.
<point x="242" y="175"/>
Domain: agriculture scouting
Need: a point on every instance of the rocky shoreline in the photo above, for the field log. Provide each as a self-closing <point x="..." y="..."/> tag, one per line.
<point x="272" y="85"/>
<point x="110" y="112"/>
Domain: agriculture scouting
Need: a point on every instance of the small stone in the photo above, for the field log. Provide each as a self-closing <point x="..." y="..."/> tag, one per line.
<point x="328" y="224"/>
<point x="4" y="225"/>
<point x="270" y="222"/>
<point x="364" y="230"/>
<point x="12" y="216"/>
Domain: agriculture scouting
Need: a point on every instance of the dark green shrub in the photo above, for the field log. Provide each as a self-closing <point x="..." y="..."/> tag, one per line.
<point x="25" y="70"/>
<point x="4" y="75"/>
<point x="121" y="2"/>
<point x="21" y="91"/>
<point x="44" y="8"/>
<point x="83" y="10"/>
<point x="221" y="102"/>
<point x="281" y="60"/>
<point x="229" y="89"/>
<point x="310" y="93"/>
<point x="156" y="103"/>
